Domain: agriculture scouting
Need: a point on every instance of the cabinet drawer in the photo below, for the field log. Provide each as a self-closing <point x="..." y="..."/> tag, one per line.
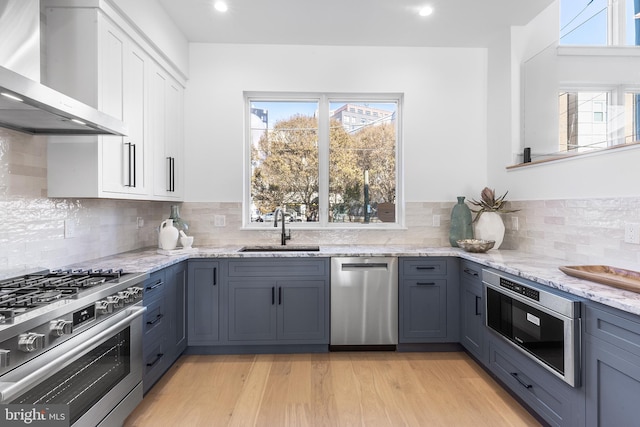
<point x="552" y="399"/>
<point x="471" y="271"/>
<point x="280" y="267"/>
<point x="618" y="329"/>
<point x="154" y="286"/>
<point x="155" y="320"/>
<point x="423" y="267"/>
<point x="153" y="364"/>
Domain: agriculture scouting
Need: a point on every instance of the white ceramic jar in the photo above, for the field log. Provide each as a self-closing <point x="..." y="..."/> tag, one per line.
<point x="168" y="235"/>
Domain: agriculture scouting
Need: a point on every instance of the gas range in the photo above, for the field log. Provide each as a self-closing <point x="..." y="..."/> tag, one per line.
<point x="73" y="338"/>
<point x="41" y="310"/>
<point x="21" y="294"/>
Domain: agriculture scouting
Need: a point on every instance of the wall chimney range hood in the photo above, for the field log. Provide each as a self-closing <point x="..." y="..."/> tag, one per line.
<point x="31" y="107"/>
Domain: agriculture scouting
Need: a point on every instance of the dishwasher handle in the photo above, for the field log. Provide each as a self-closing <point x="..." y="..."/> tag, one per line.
<point x="364" y="266"/>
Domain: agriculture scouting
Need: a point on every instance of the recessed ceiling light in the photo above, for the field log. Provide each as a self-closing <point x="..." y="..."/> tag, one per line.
<point x="426" y="11"/>
<point x="220" y="6"/>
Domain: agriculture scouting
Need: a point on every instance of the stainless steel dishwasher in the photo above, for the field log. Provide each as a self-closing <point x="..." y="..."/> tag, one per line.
<point x="364" y="301"/>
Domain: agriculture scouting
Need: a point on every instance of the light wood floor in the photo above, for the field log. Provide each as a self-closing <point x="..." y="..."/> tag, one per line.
<point x="331" y="389"/>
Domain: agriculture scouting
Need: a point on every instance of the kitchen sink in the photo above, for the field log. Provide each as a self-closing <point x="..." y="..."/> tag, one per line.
<point x="280" y="248"/>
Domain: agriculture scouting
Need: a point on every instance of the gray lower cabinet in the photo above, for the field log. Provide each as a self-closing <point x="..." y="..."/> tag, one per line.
<point x="164" y="322"/>
<point x="472" y="319"/>
<point x="203" y="305"/>
<point x="552" y="399"/>
<point x="612" y="367"/>
<point x="428" y="298"/>
<point x="155" y="327"/>
<point x="176" y="300"/>
<point x="278" y="301"/>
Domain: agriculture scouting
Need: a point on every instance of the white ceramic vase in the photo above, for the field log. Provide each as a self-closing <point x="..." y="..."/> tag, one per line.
<point x="490" y="227"/>
<point x="168" y="235"/>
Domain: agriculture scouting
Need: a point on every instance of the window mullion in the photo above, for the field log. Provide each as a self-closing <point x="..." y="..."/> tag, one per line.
<point x="323" y="160"/>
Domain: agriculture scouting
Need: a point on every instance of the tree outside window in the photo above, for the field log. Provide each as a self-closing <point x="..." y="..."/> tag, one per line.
<point x="287" y="170"/>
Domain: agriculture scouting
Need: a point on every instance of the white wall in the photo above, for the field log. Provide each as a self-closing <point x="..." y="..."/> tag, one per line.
<point x="444" y="109"/>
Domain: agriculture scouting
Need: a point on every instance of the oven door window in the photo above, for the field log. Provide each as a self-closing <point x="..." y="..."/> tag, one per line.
<point x="87" y="379"/>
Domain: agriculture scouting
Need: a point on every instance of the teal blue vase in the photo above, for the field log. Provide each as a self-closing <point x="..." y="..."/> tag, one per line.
<point x="460" y="223"/>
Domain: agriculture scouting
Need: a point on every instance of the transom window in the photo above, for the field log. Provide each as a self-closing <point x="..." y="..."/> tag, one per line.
<point x="323" y="169"/>
<point x="599" y="22"/>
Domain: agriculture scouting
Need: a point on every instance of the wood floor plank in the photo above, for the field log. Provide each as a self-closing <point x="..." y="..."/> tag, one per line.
<point x="330" y="389"/>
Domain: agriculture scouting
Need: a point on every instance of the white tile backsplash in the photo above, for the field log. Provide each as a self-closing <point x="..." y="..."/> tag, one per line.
<point x="580" y="231"/>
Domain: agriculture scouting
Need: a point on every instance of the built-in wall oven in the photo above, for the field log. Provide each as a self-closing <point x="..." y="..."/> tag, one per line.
<point x="539" y="321"/>
<point x="81" y="351"/>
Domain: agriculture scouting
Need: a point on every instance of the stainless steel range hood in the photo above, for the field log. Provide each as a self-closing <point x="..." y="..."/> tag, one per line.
<point x="31" y="107"/>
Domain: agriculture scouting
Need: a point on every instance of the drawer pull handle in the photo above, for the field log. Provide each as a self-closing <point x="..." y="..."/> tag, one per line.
<point x="471" y="272"/>
<point x="421" y="267"/>
<point x="154" y="321"/>
<point x="522" y="383"/>
<point x="157" y="359"/>
<point x="158" y="284"/>
<point x="425" y="283"/>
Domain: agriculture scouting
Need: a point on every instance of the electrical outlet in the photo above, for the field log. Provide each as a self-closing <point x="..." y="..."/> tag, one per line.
<point x="515" y="224"/>
<point x="436" y="220"/>
<point x="219" y="220"/>
<point x="632" y="233"/>
<point x="140" y="222"/>
<point x="70" y="228"/>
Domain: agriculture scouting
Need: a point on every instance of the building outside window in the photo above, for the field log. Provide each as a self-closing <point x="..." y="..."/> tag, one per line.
<point x="593" y="118"/>
<point x="306" y="156"/>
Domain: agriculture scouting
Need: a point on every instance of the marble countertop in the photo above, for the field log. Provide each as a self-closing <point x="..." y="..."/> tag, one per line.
<point x="543" y="270"/>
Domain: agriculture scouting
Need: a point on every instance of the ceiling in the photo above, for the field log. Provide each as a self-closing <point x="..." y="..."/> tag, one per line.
<point x="454" y="23"/>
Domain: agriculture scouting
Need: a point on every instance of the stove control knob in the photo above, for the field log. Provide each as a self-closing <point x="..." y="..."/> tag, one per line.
<point x="136" y="291"/>
<point x="104" y="307"/>
<point x="116" y="301"/>
<point x="61" y="327"/>
<point x="30" y="342"/>
<point x="126" y="296"/>
<point x="4" y="358"/>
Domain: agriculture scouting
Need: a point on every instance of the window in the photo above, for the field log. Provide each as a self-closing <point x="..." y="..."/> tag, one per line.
<point x="595" y="119"/>
<point x="599" y="22"/>
<point x="324" y="170"/>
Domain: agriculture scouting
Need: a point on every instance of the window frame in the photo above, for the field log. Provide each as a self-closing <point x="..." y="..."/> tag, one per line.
<point x="324" y="99"/>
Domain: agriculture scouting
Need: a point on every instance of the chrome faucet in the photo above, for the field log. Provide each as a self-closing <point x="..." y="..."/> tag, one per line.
<point x="283" y="236"/>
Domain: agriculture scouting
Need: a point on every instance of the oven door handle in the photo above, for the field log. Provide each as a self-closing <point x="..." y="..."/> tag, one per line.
<point x="9" y="390"/>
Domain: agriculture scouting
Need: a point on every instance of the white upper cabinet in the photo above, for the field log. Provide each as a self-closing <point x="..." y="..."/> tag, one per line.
<point x="91" y="57"/>
<point x="167" y="135"/>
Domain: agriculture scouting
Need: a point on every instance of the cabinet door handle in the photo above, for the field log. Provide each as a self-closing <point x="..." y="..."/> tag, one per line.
<point x="422" y="267"/>
<point x="273" y="295"/>
<point x="471" y="272"/>
<point x="215" y="276"/>
<point x="280" y="295"/>
<point x="477" y="306"/>
<point x="154" y="321"/>
<point x="522" y="383"/>
<point x="134" y="164"/>
<point x="168" y="173"/>
<point x="128" y="184"/>
<point x="173" y="174"/>
<point x="425" y="283"/>
<point x="157" y="359"/>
